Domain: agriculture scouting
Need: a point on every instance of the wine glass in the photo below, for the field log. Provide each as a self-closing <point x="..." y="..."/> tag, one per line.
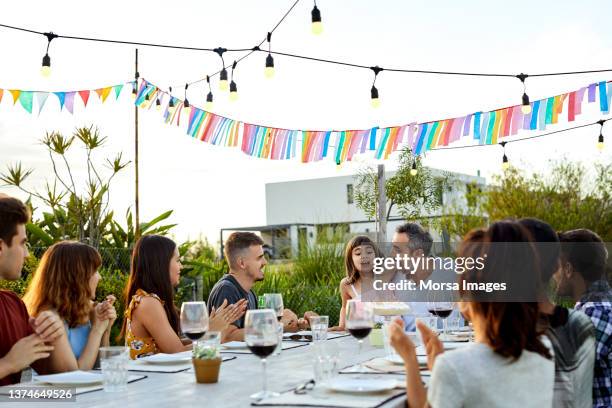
<point x="359" y="322"/>
<point x="261" y="336"/>
<point x="274" y="301"/>
<point x="440" y="308"/>
<point x="194" y="320"/>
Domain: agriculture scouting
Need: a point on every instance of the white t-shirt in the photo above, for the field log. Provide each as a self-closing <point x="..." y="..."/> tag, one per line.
<point x="475" y="376"/>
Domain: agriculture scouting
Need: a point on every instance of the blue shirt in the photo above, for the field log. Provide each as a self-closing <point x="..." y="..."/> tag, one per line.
<point x="77" y="337"/>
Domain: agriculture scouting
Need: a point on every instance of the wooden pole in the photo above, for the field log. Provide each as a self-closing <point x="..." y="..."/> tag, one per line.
<point x="136" y="162"/>
<point x="382" y="206"/>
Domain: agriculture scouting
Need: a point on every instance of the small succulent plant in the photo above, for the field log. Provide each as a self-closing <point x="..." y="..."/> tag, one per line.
<point x="205" y="352"/>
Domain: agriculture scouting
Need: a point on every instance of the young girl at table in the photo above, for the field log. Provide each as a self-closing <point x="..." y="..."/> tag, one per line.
<point x="359" y="264"/>
<point x="65" y="282"/>
<point x="509" y="364"/>
<point x="151" y="322"/>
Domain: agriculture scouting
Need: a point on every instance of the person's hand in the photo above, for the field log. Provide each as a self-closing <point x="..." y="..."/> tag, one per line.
<point x="25" y="352"/>
<point x="222" y="317"/>
<point x="433" y="345"/>
<point x="290" y="321"/>
<point x="103" y="312"/>
<point x="400" y="341"/>
<point x="111" y="313"/>
<point x="308" y="315"/>
<point x="48" y="326"/>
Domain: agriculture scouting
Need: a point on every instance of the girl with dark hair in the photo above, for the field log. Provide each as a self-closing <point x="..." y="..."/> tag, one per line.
<point x="359" y="263"/>
<point x="508" y="365"/>
<point x="151" y="322"/>
<point x="65" y="282"/>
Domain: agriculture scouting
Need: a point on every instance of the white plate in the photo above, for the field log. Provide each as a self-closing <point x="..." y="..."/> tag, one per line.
<point x="395" y="359"/>
<point x="163" y="358"/>
<point x="300" y="333"/>
<point x="76" y="378"/>
<point x="361" y="385"/>
<point x="235" y="345"/>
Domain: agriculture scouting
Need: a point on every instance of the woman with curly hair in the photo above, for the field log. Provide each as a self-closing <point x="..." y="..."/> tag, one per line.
<point x="65" y="282"/>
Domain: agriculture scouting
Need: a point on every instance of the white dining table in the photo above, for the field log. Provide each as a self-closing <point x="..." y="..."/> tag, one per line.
<point x="238" y="379"/>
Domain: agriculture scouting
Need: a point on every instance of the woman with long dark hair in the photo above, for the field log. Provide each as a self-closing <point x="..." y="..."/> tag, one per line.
<point x="152" y="321"/>
<point x="508" y="365"/>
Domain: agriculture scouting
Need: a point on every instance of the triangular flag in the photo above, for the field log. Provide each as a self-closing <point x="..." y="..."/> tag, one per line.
<point x="99" y="92"/>
<point x="1" y="93"/>
<point x="84" y="96"/>
<point x="15" y="93"/>
<point x="105" y="92"/>
<point x="61" y="96"/>
<point x="118" y="89"/>
<point x="25" y="98"/>
<point x="69" y="101"/>
<point x="41" y="98"/>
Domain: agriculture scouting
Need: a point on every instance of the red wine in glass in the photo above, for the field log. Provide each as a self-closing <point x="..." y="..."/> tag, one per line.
<point x="360" y="332"/>
<point x="194" y="335"/>
<point x="262" y="351"/>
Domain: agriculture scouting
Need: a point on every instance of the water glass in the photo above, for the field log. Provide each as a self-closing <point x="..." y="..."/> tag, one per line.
<point x="113" y="361"/>
<point x="319" y="325"/>
<point x="326" y="367"/>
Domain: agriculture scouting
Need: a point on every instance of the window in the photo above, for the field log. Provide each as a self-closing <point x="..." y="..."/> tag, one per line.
<point x="349" y="194"/>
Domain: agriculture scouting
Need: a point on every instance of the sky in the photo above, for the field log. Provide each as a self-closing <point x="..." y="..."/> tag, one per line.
<point x="211" y="187"/>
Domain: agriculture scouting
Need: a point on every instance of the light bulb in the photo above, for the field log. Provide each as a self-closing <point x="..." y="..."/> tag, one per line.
<point x="505" y="163"/>
<point x="375" y="100"/>
<point x="600" y="143"/>
<point x="158" y="104"/>
<point x="45" y="70"/>
<point x="233" y="91"/>
<point x="317" y="26"/>
<point x="223" y="84"/>
<point x="209" y="102"/>
<point x="413" y="170"/>
<point x="269" y="70"/>
<point x="526" y="106"/>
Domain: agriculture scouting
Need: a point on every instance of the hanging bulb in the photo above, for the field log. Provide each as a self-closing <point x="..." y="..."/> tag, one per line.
<point x="600" y="142"/>
<point x="45" y="70"/>
<point x="505" y="163"/>
<point x="186" y="107"/>
<point x="233" y="91"/>
<point x="269" y="70"/>
<point x="413" y="170"/>
<point x="375" y="100"/>
<point x="526" y="106"/>
<point x="147" y="97"/>
<point x="158" y="104"/>
<point x="223" y="84"/>
<point x="317" y="25"/>
<point x="134" y="90"/>
<point x="209" y="102"/>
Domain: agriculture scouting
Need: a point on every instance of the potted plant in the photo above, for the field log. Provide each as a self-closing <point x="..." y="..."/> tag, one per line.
<point x="206" y="363"/>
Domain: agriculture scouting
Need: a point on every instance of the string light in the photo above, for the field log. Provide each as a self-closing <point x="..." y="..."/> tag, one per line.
<point x="232" y="87"/>
<point x="374" y="98"/>
<point x="171" y="103"/>
<point x="600" y="140"/>
<point x="317" y="25"/>
<point x="505" y="162"/>
<point x="413" y="170"/>
<point x="223" y="84"/>
<point x="135" y="88"/>
<point x="45" y="69"/>
<point x="186" y="105"/>
<point x="158" y="102"/>
<point x="525" y="104"/>
<point x="209" y="98"/>
<point x="269" y="70"/>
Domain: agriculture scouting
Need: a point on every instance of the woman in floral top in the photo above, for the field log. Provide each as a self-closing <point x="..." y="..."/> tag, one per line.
<point x="151" y="322"/>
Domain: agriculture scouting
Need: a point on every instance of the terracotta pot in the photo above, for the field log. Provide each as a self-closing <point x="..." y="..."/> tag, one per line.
<point x="207" y="371"/>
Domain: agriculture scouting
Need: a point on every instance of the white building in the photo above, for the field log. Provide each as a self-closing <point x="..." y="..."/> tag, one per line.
<point x="297" y="210"/>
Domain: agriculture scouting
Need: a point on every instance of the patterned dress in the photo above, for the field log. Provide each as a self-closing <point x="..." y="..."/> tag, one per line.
<point x="139" y="346"/>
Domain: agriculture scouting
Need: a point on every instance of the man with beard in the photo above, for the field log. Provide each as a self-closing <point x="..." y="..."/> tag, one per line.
<point x="245" y="256"/>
